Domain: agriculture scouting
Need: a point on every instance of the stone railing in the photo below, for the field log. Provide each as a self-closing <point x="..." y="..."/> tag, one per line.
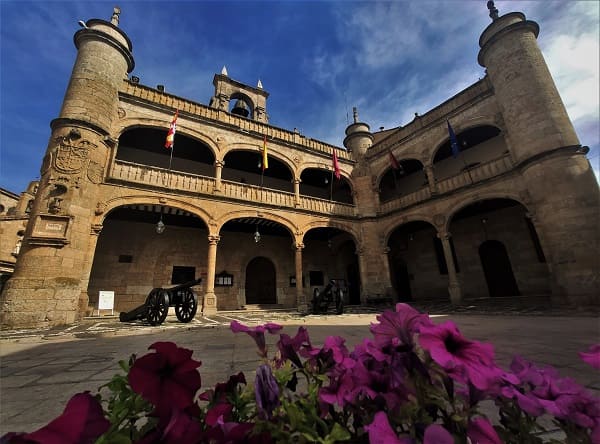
<point x="476" y="174"/>
<point x="179" y="181"/>
<point x="466" y="178"/>
<point x="159" y="177"/>
<point x="405" y="201"/>
<point x="258" y="128"/>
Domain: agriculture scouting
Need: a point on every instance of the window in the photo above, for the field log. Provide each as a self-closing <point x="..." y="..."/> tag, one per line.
<point x="223" y="279"/>
<point x="181" y="275"/>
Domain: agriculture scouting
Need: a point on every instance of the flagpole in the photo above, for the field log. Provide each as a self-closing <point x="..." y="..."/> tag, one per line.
<point x="331" y="187"/>
<point x="467" y="168"/>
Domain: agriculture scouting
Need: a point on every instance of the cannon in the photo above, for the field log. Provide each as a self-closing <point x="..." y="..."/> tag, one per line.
<point x="156" y="306"/>
<point x="332" y="293"/>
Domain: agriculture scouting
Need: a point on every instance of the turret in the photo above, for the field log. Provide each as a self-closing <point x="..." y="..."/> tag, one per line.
<point x="535" y="116"/>
<point x="358" y="137"/>
<point x="49" y="285"/>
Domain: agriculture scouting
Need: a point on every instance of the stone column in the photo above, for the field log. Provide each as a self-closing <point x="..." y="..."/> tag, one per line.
<point x="430" y="178"/>
<point x="386" y="271"/>
<point x="297" y="192"/>
<point x="453" y="284"/>
<point x="219" y="164"/>
<point x="300" y="296"/>
<point x="362" y="270"/>
<point x="210" y="299"/>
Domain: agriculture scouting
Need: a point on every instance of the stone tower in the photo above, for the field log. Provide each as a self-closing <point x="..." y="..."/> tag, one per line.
<point x="47" y="286"/>
<point x="543" y="145"/>
<point x="253" y="100"/>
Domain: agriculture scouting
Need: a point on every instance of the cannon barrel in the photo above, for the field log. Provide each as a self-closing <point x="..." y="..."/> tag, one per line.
<point x="184" y="285"/>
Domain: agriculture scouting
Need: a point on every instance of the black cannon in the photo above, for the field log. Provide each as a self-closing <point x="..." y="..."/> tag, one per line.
<point x="332" y="293"/>
<point x="157" y="304"/>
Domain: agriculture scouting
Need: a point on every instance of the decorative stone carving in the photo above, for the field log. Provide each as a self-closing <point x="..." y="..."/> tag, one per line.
<point x="96" y="229"/>
<point x="94" y="172"/>
<point x="439" y="220"/>
<point x="54" y="205"/>
<point x="100" y="208"/>
<point x="121" y="112"/>
<point x="70" y="157"/>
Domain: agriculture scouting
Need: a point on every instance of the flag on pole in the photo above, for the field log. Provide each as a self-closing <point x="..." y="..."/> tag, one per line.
<point x="336" y="165"/>
<point x="265" y="159"/>
<point x="171" y="134"/>
<point x="395" y="164"/>
<point x="453" y="141"/>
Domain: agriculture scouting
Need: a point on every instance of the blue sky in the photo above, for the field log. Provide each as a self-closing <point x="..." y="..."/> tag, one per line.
<point x="317" y="59"/>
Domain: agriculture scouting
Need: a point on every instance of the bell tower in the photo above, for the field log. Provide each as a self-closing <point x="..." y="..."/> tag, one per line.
<point x="250" y="102"/>
<point x="49" y="285"/>
<point x="546" y="150"/>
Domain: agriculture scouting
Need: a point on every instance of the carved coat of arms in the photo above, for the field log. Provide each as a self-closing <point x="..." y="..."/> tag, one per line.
<point x="71" y="158"/>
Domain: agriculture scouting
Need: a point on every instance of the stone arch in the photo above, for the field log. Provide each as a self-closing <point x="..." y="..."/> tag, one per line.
<point x="460" y="127"/>
<point x="382" y="172"/>
<point x="323" y="166"/>
<point x="288" y="224"/>
<point x="394" y="224"/>
<point x="348" y="228"/>
<point x="469" y="200"/>
<point x="103" y="209"/>
<point x="286" y="160"/>
<point x="137" y="122"/>
<point x="260" y="287"/>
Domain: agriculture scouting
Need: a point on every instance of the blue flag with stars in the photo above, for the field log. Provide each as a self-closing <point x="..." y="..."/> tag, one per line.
<point x="453" y="141"/>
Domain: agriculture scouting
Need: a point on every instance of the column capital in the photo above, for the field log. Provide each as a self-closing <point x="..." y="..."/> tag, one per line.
<point x="213" y="239"/>
<point x="386" y="250"/>
<point x="219" y="163"/>
<point x="298" y="246"/>
<point x="444" y="235"/>
<point x="96" y="229"/>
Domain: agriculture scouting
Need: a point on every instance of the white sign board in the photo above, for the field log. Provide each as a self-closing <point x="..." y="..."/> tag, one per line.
<point x="106" y="300"/>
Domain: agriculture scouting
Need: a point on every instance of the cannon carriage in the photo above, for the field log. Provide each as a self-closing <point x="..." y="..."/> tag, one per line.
<point x="158" y="301"/>
<point x="322" y="299"/>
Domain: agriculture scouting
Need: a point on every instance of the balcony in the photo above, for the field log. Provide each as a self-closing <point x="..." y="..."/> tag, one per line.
<point x="175" y="181"/>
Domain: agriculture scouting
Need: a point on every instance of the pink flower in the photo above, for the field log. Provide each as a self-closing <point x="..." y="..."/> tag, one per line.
<point x="168" y="378"/>
<point x="399" y="327"/>
<point x="437" y="434"/>
<point x="380" y="431"/>
<point x="180" y="428"/>
<point x="592" y="356"/>
<point x="257" y="333"/>
<point x="82" y="422"/>
<point x="289" y="347"/>
<point x="464" y="360"/>
<point x="480" y="431"/>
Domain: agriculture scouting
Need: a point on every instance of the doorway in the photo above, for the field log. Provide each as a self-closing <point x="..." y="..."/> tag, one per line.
<point x="260" y="282"/>
<point x="497" y="269"/>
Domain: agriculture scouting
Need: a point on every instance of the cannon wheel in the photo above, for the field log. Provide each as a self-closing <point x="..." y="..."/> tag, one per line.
<point x="316" y="301"/>
<point x="158" y="306"/>
<point x="339" y="301"/>
<point x="186" y="309"/>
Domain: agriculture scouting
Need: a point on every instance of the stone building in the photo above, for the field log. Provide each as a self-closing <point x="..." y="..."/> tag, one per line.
<point x="412" y="216"/>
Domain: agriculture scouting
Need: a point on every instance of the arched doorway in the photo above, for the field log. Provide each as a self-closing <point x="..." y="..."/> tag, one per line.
<point x="401" y="279"/>
<point x="497" y="269"/>
<point x="260" y="282"/>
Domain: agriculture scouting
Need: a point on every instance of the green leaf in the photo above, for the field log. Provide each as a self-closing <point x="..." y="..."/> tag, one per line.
<point x="337" y="434"/>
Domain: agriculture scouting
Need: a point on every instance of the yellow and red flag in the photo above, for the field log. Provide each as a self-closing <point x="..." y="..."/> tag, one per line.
<point x="171" y="134"/>
<point x="265" y="159"/>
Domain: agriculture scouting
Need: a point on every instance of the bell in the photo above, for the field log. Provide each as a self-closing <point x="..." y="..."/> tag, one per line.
<point x="240" y="108"/>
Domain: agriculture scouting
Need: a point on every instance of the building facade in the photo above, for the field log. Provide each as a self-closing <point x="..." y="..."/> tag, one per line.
<point x="415" y="213"/>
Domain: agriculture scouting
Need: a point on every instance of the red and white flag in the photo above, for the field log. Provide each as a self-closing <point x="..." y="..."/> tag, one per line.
<point x="336" y="165"/>
<point x="171" y="134"/>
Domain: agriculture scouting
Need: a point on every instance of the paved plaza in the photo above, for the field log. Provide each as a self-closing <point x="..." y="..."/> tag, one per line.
<point x="42" y="369"/>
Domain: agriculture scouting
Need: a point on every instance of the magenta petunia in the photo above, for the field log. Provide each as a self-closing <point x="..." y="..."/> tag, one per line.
<point x="437" y="434"/>
<point x="592" y="356"/>
<point x="464" y="360"/>
<point x="481" y="431"/>
<point x="290" y="347"/>
<point x="266" y="391"/>
<point x="168" y="378"/>
<point x="257" y="333"/>
<point x="82" y="422"/>
<point x="398" y="327"/>
<point x="380" y="431"/>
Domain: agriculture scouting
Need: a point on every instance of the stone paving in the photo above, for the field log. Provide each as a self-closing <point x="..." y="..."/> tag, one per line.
<point x="41" y="369"/>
